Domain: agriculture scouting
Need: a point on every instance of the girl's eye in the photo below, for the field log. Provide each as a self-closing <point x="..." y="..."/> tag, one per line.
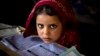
<point x="53" y="26"/>
<point x="40" y="26"/>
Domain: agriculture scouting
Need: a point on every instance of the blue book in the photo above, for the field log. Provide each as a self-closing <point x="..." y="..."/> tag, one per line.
<point x="32" y="46"/>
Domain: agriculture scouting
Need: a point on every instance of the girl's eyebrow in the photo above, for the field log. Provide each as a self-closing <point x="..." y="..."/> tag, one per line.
<point x="40" y="23"/>
<point x="48" y="24"/>
<point x="53" y="23"/>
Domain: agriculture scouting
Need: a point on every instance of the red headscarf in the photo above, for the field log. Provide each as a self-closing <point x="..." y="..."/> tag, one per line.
<point x="64" y="9"/>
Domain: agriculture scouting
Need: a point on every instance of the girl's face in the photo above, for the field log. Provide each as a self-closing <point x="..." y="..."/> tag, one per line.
<point x="49" y="28"/>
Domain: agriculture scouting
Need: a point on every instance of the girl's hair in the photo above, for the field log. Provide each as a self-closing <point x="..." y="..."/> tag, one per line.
<point x="46" y="9"/>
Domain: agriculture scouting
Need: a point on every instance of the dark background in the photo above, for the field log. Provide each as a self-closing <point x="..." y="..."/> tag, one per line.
<point x="15" y="12"/>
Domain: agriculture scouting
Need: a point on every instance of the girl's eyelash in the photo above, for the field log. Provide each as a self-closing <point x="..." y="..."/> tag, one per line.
<point x="40" y="25"/>
<point x="53" y="26"/>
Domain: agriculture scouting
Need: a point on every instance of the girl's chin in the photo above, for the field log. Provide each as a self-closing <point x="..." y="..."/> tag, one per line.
<point x="48" y="42"/>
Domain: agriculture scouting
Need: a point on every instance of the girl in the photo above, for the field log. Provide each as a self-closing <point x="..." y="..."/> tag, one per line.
<point x="54" y="22"/>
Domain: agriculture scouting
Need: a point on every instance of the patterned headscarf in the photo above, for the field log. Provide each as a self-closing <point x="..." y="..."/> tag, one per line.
<point x="66" y="13"/>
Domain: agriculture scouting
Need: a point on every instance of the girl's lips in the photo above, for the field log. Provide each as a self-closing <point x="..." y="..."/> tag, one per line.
<point x="46" y="38"/>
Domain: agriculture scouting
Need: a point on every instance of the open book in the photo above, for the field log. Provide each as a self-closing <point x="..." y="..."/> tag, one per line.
<point x="34" y="46"/>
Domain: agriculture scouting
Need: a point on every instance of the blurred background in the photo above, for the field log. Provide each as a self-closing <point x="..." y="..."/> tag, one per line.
<point x="15" y="12"/>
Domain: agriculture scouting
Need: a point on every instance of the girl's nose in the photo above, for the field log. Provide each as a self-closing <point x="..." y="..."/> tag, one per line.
<point x="46" y="31"/>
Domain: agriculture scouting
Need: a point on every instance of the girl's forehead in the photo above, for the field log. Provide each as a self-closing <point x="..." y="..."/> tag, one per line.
<point x="47" y="18"/>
